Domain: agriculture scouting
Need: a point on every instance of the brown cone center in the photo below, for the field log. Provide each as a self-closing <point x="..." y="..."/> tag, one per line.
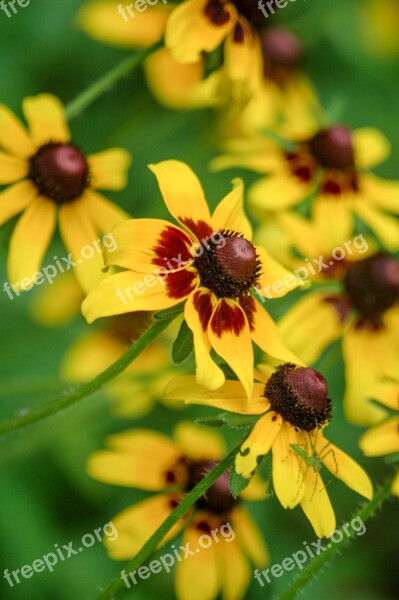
<point x="281" y="47"/>
<point x="217" y="498"/>
<point x="333" y="148"/>
<point x="236" y="258"/>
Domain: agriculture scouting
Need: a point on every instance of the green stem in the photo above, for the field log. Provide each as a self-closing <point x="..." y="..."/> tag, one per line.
<point x="318" y="563"/>
<point x="102" y="85"/>
<point x="71" y="396"/>
<point x="151" y="545"/>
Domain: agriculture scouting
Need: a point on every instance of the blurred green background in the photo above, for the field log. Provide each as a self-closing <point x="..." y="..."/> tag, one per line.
<point x="46" y="498"/>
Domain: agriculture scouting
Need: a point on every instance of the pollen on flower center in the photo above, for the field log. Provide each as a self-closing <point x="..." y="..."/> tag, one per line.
<point x="333" y="148"/>
<point x="373" y="286"/>
<point x="217" y="498"/>
<point x="59" y="171"/>
<point x="229" y="267"/>
<point x="300" y="396"/>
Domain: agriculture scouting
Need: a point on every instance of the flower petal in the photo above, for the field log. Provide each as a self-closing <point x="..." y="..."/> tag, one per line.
<point x="183" y="196"/>
<point x="189" y="31"/>
<point x="30" y="240"/>
<point x="277" y="192"/>
<point x="287" y="476"/>
<point x="258" y="443"/>
<point x="58" y="304"/>
<point x="385" y="227"/>
<point x="230" y="337"/>
<point x="371" y="147"/>
<point x="382" y="439"/>
<point x="198" y="442"/>
<point x="333" y="221"/>
<point x="15" y="199"/>
<point x="275" y="281"/>
<point x="103" y="213"/>
<point x="108" y="169"/>
<point x="395" y="485"/>
<point x="317" y="506"/>
<point x="12" y="168"/>
<point x="229" y="213"/>
<point x="46" y="119"/>
<point x="383" y="193"/>
<point x="249" y="536"/>
<point x="234" y="569"/>
<point x="13" y="135"/>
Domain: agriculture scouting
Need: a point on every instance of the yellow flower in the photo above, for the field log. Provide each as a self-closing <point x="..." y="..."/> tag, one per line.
<point x="294" y="407"/>
<point x="383" y="439"/>
<point x="209" y="263"/>
<point x="49" y="174"/>
<point x="330" y="166"/>
<point x="379" y="27"/>
<point x="151" y="461"/>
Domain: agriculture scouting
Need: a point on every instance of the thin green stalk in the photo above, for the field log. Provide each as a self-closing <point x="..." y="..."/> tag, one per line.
<point x="71" y="396"/>
<point x="151" y="545"/>
<point x="102" y="85"/>
<point x="320" y="561"/>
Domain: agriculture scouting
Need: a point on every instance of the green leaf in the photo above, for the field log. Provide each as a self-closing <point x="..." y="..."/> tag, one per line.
<point x="169" y="313"/>
<point x="211" y="421"/>
<point x="238" y="483"/>
<point x="183" y="345"/>
<point x="239" y="421"/>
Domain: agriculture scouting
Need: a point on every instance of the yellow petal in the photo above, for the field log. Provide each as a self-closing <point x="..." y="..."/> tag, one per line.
<point x="108" y="169"/>
<point x="101" y="20"/>
<point x="197" y="442"/>
<point x="383" y="193"/>
<point x="255" y="490"/>
<point x="258" y="443"/>
<point x="46" y="119"/>
<point x="241" y="58"/>
<point x="89" y="355"/>
<point x="12" y="168"/>
<point x="387" y="393"/>
<point x="371" y="147"/>
<point x="395" y="486"/>
<point x="137" y="458"/>
<point x="13" y="135"/>
<point x="333" y="221"/>
<point x="235" y="571"/>
<point x="277" y="192"/>
<point x="190" y="580"/>
<point x="58" y="304"/>
<point x="197" y="311"/>
<point x="301" y="233"/>
<point x="15" y="199"/>
<point x="385" y="227"/>
<point x="182" y="192"/>
<point x="310" y="326"/>
<point x="105" y="215"/>
<point x="136" y="524"/>
<point x="275" y="281"/>
<point x="382" y="439"/>
<point x="317" y="506"/>
<point x="249" y="537"/>
<point x="30" y="240"/>
<point x="230" y="337"/>
<point x="231" y="396"/>
<point x="189" y="32"/>
<point x="287" y="476"/>
<point x="343" y="467"/>
<point x="229" y="213"/>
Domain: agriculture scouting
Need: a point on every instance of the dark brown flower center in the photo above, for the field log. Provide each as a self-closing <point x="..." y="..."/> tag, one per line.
<point x="333" y="148"/>
<point x="217" y="498"/>
<point x="372" y="285"/>
<point x="59" y="171"/>
<point x="280" y="48"/>
<point x="228" y="267"/>
<point x="300" y="396"/>
<point x="217" y="13"/>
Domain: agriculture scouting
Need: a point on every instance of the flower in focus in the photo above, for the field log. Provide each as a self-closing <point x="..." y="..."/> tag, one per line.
<point x="150" y="461"/>
<point x="295" y="407"/>
<point x="209" y="263"/>
<point x="49" y="175"/>
<point x="383" y="439"/>
<point x="331" y="166"/>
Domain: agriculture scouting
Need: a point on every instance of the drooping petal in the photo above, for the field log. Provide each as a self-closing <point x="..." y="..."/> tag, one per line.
<point x="12" y="168"/>
<point x="30" y="240"/>
<point x="255" y="490"/>
<point x="249" y="537"/>
<point x="105" y="215"/>
<point x="258" y="443"/>
<point x="371" y="147"/>
<point x="241" y="54"/>
<point x="15" y="199"/>
<point x="183" y="195"/>
<point x="229" y="213"/>
<point x="383" y="193"/>
<point x="108" y="169"/>
<point x="310" y="326"/>
<point x="287" y="475"/>
<point x="197" y="313"/>
<point x="275" y="281"/>
<point x="343" y="467"/>
<point x="230" y="337"/>
<point x="13" y="135"/>
<point x="189" y="31"/>
<point x="333" y="221"/>
<point x="317" y="505"/>
<point x="191" y="581"/>
<point x="46" y="119"/>
<point x="234" y="569"/>
<point x="385" y="227"/>
<point x="137" y="458"/>
<point x="198" y="442"/>
<point x="382" y="439"/>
